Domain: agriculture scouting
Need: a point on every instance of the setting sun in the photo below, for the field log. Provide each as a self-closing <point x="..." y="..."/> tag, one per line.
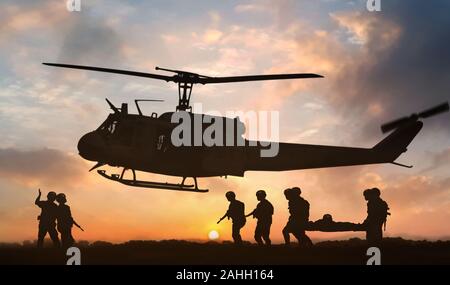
<point x="213" y="235"/>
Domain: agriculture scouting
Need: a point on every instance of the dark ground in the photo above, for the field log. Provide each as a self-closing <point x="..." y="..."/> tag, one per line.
<point x="353" y="251"/>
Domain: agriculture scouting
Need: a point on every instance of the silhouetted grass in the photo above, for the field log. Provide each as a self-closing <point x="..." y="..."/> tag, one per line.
<point x="180" y="252"/>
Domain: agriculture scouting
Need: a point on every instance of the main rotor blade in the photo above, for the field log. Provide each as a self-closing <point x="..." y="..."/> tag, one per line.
<point x="210" y="80"/>
<point x="188" y="77"/>
<point x="110" y="70"/>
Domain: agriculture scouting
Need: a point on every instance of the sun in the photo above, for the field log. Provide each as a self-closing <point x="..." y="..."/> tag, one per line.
<point x="213" y="235"/>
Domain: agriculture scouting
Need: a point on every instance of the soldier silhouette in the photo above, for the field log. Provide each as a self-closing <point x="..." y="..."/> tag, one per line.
<point x="263" y="213"/>
<point x="236" y="211"/>
<point x="377" y="212"/>
<point x="298" y="219"/>
<point x="47" y="219"/>
<point x="65" y="221"/>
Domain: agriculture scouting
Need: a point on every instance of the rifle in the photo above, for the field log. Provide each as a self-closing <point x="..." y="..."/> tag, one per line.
<point x="77" y="225"/>
<point x="251" y="214"/>
<point x="224" y="216"/>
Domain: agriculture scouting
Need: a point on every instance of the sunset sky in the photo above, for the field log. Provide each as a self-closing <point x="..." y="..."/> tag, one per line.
<point x="378" y="66"/>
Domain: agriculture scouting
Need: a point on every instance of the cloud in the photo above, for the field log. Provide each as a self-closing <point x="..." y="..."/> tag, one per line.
<point x="46" y="31"/>
<point x="253" y="8"/>
<point x="368" y="29"/>
<point x="439" y="160"/>
<point x="417" y="192"/>
<point x="379" y="66"/>
<point x="404" y="67"/>
<point x="38" y="31"/>
<point x="281" y="12"/>
<point x="40" y="167"/>
<point x="17" y="19"/>
<point x="420" y="200"/>
<point x="212" y="36"/>
<point x="90" y="40"/>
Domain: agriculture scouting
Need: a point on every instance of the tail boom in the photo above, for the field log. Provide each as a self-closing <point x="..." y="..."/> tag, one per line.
<point x="302" y="156"/>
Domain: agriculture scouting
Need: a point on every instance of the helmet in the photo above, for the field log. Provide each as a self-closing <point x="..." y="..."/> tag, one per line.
<point x="327" y="217"/>
<point x="376" y="192"/>
<point x="61" y="197"/>
<point x="230" y="195"/>
<point x="51" y="195"/>
<point x="296" y="191"/>
<point x="261" y="193"/>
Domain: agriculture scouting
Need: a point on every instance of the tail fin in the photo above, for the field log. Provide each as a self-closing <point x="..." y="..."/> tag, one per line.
<point x="397" y="142"/>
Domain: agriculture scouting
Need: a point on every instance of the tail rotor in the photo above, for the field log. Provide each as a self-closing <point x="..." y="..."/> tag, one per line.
<point x="442" y="108"/>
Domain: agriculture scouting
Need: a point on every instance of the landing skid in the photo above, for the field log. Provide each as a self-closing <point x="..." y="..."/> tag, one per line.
<point x="151" y="184"/>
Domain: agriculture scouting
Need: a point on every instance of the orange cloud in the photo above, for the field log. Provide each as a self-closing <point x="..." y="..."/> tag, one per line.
<point x="34" y="168"/>
<point x="17" y="19"/>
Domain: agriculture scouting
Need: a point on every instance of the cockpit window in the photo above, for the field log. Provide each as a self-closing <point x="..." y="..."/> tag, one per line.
<point x="111" y="128"/>
<point x="117" y="131"/>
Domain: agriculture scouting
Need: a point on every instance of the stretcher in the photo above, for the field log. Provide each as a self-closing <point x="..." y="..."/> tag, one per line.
<point x="332" y="226"/>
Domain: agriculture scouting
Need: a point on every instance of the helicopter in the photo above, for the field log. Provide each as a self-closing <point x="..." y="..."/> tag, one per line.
<point x="139" y="142"/>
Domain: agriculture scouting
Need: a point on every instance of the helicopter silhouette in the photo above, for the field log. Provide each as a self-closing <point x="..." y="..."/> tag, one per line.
<point x="138" y="142"/>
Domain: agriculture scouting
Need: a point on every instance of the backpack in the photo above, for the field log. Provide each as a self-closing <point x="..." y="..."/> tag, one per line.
<point x="384" y="212"/>
<point x="304" y="209"/>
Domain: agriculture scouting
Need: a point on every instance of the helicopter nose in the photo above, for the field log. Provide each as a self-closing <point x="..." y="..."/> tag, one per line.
<point x="90" y="146"/>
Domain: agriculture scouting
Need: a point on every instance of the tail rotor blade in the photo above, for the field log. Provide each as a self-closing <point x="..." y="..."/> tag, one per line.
<point x="394" y="124"/>
<point x="435" y="110"/>
<point x="444" y="107"/>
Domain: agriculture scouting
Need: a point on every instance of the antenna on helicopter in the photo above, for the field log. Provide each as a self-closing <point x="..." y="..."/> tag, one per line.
<point x="111" y="105"/>
<point x="122" y="110"/>
<point x="144" y="100"/>
<point x="186" y="80"/>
